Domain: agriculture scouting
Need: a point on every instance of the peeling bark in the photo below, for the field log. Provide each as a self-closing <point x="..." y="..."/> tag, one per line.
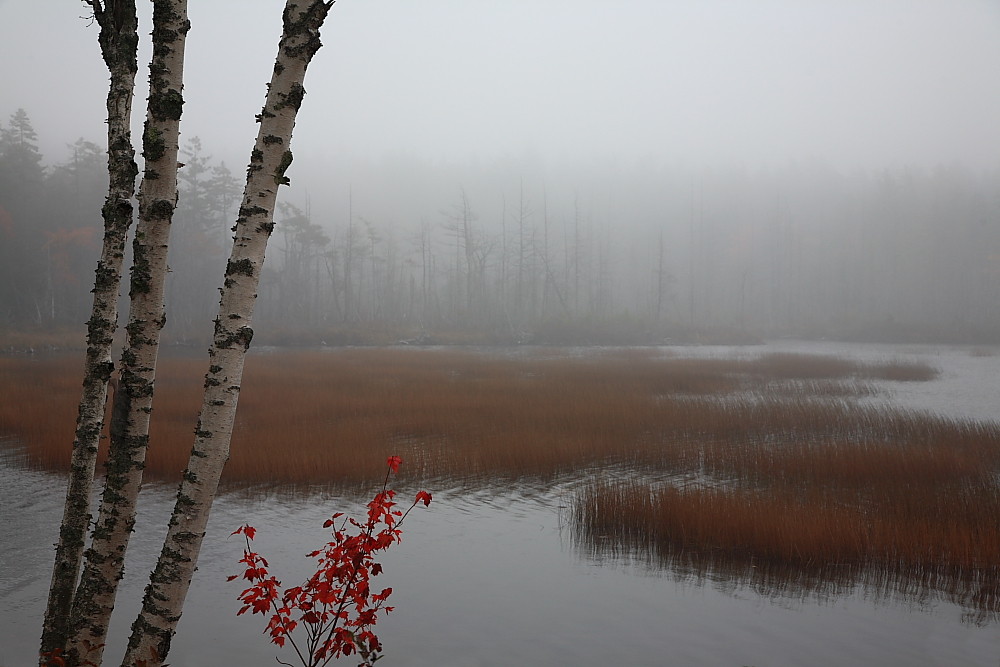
<point x="95" y="597"/>
<point x="170" y="580"/>
<point x="118" y="40"/>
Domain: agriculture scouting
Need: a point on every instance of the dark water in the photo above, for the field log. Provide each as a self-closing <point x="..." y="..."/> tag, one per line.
<point x="493" y="578"/>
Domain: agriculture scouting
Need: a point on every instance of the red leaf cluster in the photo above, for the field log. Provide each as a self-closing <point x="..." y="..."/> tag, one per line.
<point x="335" y="605"/>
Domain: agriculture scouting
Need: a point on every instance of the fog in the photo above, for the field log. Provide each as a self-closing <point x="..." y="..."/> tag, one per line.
<point x="782" y="167"/>
<point x="856" y="83"/>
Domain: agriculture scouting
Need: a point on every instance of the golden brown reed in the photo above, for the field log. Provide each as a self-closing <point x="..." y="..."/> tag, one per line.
<point x="331" y="416"/>
<point x="809" y="495"/>
<point x="793" y="365"/>
<point x="789" y="476"/>
<point x="899" y="540"/>
<point x="38" y="399"/>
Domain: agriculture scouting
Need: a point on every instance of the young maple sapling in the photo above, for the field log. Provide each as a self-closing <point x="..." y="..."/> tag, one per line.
<point x="335" y="606"/>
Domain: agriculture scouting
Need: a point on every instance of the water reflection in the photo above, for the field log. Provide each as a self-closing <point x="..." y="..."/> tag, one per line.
<point x="976" y="593"/>
<point x="816" y="543"/>
<point x="485" y="576"/>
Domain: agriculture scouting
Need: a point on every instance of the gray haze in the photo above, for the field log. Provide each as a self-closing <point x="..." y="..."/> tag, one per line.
<point x="789" y="167"/>
<point x="856" y="83"/>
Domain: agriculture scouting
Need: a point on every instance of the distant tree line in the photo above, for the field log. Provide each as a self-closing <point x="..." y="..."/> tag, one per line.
<point x="49" y="227"/>
<point x="903" y="254"/>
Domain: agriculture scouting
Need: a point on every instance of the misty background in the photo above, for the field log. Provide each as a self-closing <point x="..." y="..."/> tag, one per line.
<point x="545" y="171"/>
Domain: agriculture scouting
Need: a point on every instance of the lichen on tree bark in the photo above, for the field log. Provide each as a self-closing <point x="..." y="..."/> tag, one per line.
<point x="118" y="39"/>
<point x="169" y="583"/>
<point x="105" y="559"/>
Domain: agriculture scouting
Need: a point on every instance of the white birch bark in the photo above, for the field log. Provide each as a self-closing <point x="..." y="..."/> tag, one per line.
<point x="105" y="560"/>
<point x="119" y="41"/>
<point x="170" y="580"/>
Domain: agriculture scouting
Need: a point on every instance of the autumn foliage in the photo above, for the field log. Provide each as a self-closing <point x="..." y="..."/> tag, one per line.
<point x="336" y="606"/>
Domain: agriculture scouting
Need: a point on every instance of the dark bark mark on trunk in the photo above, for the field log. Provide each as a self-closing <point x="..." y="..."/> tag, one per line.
<point x="118" y="40"/>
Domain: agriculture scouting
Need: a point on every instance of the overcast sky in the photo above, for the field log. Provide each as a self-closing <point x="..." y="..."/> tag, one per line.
<point x="855" y="83"/>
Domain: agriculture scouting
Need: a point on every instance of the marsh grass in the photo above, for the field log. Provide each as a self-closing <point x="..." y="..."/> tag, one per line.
<point x="331" y="416"/>
<point x="797" y="541"/>
<point x="784" y="469"/>
<point x="816" y="496"/>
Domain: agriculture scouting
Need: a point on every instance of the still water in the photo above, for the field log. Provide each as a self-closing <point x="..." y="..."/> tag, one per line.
<point x="492" y="577"/>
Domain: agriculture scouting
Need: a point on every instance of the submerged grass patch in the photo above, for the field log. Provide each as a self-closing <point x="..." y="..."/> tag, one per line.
<point x="821" y="539"/>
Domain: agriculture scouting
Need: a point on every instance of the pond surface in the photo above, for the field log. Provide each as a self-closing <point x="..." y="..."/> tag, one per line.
<point x="492" y="577"/>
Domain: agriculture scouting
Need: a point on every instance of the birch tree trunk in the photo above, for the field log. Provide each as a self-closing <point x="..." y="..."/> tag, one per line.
<point x="105" y="560"/>
<point x="119" y="42"/>
<point x="171" y="578"/>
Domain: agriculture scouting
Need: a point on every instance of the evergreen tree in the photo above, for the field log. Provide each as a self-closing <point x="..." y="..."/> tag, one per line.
<point x="71" y="230"/>
<point x="21" y="180"/>
<point x="22" y="171"/>
<point x="208" y="195"/>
